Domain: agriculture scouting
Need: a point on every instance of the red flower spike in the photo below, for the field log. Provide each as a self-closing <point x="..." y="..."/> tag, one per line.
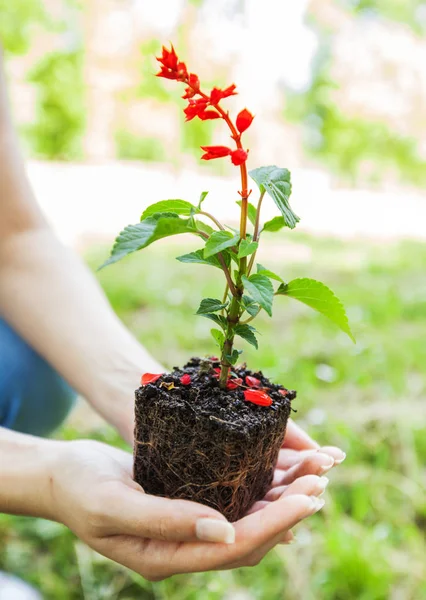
<point x="149" y="378"/>
<point x="239" y="157"/>
<point x="253" y="381"/>
<point x="169" y="58"/>
<point x="234" y="383"/>
<point x="283" y="392"/>
<point x="244" y="120"/>
<point x="216" y="95"/>
<point x="185" y="379"/>
<point x="194" y="108"/>
<point x="212" y="152"/>
<point x="257" y="397"/>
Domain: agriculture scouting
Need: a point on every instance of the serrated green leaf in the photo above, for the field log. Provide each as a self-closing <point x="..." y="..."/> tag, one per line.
<point x="178" y="207"/>
<point x="260" y="289"/>
<point x="210" y="305"/>
<point x="274" y="224"/>
<point x="251" y="211"/>
<point x="197" y="257"/>
<point x="218" y="241"/>
<point x="218" y="319"/>
<point x="250" y="305"/>
<point x="261" y="270"/>
<point x="234" y="357"/>
<point x="246" y="248"/>
<point x="218" y="337"/>
<point x="139" y="236"/>
<point x="276" y="182"/>
<point x="202" y="198"/>
<point x="318" y="296"/>
<point x="247" y="333"/>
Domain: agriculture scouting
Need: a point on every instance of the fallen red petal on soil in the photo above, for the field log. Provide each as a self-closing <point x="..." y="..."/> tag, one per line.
<point x="234" y="383"/>
<point x="185" y="379"/>
<point x="149" y="378"/>
<point x="252" y="381"/>
<point x="257" y="397"/>
<point x="283" y="392"/>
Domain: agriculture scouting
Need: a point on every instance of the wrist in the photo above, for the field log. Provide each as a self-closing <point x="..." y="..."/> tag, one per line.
<point x="26" y="465"/>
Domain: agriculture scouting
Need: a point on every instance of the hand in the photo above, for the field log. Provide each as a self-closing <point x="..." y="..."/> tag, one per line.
<point x="92" y="492"/>
<point x="299" y="459"/>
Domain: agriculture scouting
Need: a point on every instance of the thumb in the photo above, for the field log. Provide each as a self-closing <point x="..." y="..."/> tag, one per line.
<point x="139" y="514"/>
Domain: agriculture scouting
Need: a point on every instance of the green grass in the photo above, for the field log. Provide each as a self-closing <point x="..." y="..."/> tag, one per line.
<point x="369" y="398"/>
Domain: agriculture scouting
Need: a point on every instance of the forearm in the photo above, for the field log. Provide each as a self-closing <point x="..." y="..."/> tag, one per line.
<point x="54" y="302"/>
<point x="24" y="474"/>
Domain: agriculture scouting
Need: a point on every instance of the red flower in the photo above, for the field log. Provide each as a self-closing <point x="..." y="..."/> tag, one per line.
<point x="244" y="120"/>
<point x="193" y="86"/>
<point x="185" y="379"/>
<point x="209" y="114"/>
<point x="215" y="152"/>
<point x="216" y="95"/>
<point x="234" y="383"/>
<point x="257" y="397"/>
<point x="195" y="108"/>
<point x="149" y="378"/>
<point x="170" y="67"/>
<point x="239" y="157"/>
<point x="253" y="381"/>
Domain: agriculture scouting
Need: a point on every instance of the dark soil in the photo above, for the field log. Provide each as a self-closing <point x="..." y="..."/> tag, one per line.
<point x="201" y="443"/>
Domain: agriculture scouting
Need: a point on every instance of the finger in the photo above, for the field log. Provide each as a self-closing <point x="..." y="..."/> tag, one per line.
<point x="317" y="464"/>
<point x="297" y="439"/>
<point x="336" y="453"/>
<point x="259" y="551"/>
<point x="311" y="485"/>
<point x="132" y="512"/>
<point x="288" y="457"/>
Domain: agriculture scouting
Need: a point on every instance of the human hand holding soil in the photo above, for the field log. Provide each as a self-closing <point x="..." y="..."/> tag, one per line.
<point x="93" y="493"/>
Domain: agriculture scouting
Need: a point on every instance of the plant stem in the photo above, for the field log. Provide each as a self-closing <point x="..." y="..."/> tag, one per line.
<point x="231" y="285"/>
<point x="256" y="233"/>
<point x="212" y="218"/>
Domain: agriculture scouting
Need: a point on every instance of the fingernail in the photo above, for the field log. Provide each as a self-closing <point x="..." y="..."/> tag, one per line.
<point x="317" y="504"/>
<point x="322" y="484"/>
<point x="327" y="465"/>
<point x="341" y="458"/>
<point x="213" y="530"/>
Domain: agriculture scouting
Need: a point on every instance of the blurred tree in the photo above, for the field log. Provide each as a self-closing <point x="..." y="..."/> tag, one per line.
<point x="60" y="111"/>
<point x="356" y="147"/>
<point x="18" y="19"/>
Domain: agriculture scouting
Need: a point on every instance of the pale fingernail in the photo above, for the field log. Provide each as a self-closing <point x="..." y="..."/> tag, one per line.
<point x="341" y="458"/>
<point x="317" y="504"/>
<point x="322" y="484"/>
<point x="327" y="465"/>
<point x="213" y="530"/>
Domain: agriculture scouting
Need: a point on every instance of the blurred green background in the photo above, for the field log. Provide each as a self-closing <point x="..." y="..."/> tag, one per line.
<point x="78" y="94"/>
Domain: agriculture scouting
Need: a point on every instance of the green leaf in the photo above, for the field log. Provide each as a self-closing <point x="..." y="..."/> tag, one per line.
<point x="250" y="305"/>
<point x="318" y="296"/>
<point x="178" y="207"/>
<point x="201" y="226"/>
<point x="139" y="236"/>
<point x="261" y="270"/>
<point x="202" y="198"/>
<point x="209" y="305"/>
<point x="197" y="257"/>
<point x="218" y="241"/>
<point x="251" y="211"/>
<point x="235" y="356"/>
<point x="247" y="333"/>
<point x="218" y="337"/>
<point x="277" y="183"/>
<point x="246" y="248"/>
<point x="274" y="224"/>
<point x="218" y="319"/>
<point x="260" y="289"/>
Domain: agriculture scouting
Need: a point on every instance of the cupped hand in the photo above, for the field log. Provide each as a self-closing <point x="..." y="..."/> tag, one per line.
<point x="93" y="493"/>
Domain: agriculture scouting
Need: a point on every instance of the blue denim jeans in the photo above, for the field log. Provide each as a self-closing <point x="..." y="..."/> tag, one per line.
<point x="33" y="397"/>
